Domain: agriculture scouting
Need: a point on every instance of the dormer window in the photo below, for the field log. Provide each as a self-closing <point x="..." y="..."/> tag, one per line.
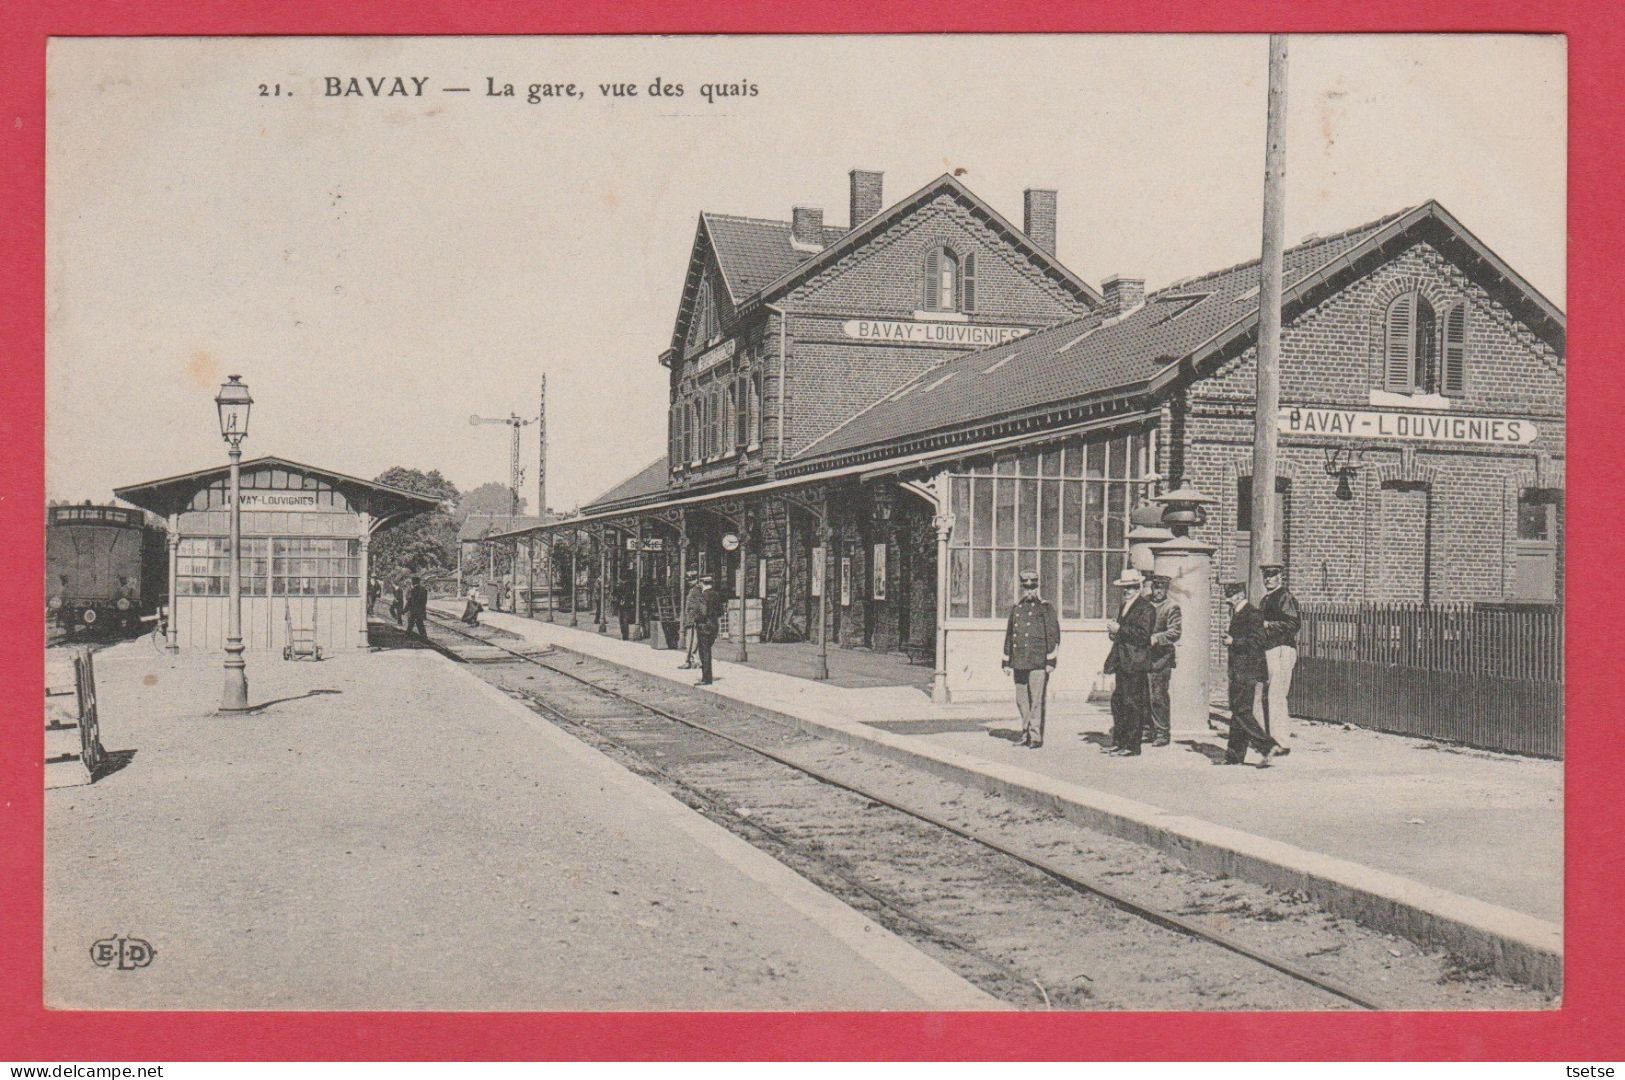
<point x="1424" y="353"/>
<point x="950" y="280"/>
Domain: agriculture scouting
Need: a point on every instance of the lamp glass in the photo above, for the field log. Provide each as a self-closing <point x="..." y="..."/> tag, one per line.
<point x="233" y="401"/>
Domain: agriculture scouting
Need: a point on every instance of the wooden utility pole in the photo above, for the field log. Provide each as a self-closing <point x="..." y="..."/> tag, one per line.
<point x="1265" y="432"/>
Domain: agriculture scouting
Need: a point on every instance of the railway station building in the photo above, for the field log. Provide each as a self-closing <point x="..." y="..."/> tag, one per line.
<point x="304" y="563"/>
<point x="910" y="409"/>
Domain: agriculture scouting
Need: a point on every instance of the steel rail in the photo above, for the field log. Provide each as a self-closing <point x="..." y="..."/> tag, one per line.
<point x="1165" y="919"/>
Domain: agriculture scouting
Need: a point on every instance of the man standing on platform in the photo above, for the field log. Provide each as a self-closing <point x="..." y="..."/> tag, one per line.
<point x="417" y="607"/>
<point x="693" y="586"/>
<point x="1130" y="662"/>
<point x="703" y="612"/>
<point x="1245" y="640"/>
<point x="1031" y="636"/>
<point x="1281" y="622"/>
<point x="1163" y="639"/>
<point x="626" y="594"/>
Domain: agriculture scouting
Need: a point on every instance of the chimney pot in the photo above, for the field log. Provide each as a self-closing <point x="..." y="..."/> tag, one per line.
<point x="1121" y="294"/>
<point x="866" y="195"/>
<point x="1039" y="218"/>
<point x="807" y="226"/>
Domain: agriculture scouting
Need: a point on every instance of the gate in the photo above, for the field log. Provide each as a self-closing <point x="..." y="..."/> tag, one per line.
<point x="1484" y="675"/>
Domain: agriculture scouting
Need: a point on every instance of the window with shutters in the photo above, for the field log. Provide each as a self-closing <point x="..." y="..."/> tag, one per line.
<point x="950" y="281"/>
<point x="741" y="412"/>
<point x="1453" y="379"/>
<point x="1412" y="363"/>
<point x="756" y="409"/>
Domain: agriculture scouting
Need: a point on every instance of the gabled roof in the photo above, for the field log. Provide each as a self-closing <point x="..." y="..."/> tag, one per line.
<point x="755" y="252"/>
<point x="758" y="262"/>
<point x="1150" y="346"/>
<point x="171" y="493"/>
<point x="650" y="480"/>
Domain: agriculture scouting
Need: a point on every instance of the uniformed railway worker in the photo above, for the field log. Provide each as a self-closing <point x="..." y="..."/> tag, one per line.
<point x="1032" y="634"/>
<point x="1245" y="641"/>
<point x="703" y="612"/>
<point x="1130" y="661"/>
<point x="1281" y="623"/>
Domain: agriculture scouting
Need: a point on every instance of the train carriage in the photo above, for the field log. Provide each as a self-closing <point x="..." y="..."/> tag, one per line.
<point x="94" y="568"/>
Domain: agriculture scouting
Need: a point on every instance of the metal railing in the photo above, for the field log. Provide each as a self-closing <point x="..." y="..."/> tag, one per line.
<point x="1484" y="675"/>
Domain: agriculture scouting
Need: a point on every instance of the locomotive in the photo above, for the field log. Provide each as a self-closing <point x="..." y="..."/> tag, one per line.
<point x="96" y="570"/>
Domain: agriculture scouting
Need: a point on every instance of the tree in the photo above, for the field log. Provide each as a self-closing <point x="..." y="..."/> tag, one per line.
<point x="490" y="498"/>
<point x="425" y="543"/>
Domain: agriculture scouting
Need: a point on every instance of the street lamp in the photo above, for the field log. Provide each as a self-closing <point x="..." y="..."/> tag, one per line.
<point x="233" y="402"/>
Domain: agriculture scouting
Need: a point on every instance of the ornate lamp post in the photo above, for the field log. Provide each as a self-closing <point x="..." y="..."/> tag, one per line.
<point x="233" y="403"/>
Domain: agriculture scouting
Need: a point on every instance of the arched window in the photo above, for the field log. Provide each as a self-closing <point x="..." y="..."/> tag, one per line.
<point x="950" y="281"/>
<point x="1411" y="342"/>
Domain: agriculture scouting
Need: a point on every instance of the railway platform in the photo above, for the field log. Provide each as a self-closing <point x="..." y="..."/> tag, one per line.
<point x="1402" y="834"/>
<point x="385" y="830"/>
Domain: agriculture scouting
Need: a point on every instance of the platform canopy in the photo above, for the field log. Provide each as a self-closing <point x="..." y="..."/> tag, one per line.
<point x="384" y="502"/>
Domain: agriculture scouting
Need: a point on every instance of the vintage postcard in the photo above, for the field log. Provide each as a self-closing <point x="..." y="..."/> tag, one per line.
<point x="869" y="523"/>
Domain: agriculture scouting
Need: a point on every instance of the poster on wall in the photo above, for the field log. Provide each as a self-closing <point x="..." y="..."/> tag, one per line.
<point x="818" y="571"/>
<point x="879" y="564"/>
<point x="846" y="581"/>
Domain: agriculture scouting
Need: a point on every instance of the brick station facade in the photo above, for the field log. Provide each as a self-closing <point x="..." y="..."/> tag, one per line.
<point x="954" y="405"/>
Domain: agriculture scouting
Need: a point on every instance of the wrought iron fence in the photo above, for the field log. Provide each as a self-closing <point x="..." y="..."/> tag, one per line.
<point x="1485" y="675"/>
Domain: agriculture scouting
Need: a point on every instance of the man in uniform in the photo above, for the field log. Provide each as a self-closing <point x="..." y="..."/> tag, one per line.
<point x="703" y="612"/>
<point x="1163" y="639"/>
<point x="1031" y="636"/>
<point x="1281" y="622"/>
<point x="417" y="606"/>
<point x="1245" y="640"/>
<point x="693" y="586"/>
<point x="1130" y="661"/>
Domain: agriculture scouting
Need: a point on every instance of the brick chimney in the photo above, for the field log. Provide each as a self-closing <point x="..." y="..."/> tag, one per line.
<point x="807" y="227"/>
<point x="866" y="197"/>
<point x="1039" y="217"/>
<point x="1121" y="294"/>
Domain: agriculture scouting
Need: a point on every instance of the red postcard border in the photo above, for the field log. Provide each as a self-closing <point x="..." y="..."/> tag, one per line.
<point x="1580" y="1030"/>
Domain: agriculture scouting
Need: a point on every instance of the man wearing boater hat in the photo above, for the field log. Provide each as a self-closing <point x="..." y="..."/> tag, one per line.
<point x="1281" y="622"/>
<point x="1031" y="636"/>
<point x="1130" y="662"/>
<point x="1164" y="637"/>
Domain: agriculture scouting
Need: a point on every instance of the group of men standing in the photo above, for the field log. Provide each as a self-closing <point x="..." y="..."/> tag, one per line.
<point x="1261" y="641"/>
<point x="408" y="602"/>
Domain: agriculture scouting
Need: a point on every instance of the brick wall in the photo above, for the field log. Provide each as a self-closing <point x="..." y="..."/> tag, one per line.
<point x="830" y="377"/>
<point x="1460" y="499"/>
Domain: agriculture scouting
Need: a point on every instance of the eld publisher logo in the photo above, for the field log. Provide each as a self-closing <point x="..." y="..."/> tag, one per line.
<point x="126" y="954"/>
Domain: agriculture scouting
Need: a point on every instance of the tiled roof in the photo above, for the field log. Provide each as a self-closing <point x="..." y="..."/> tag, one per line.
<point x="754" y="252"/>
<point x="1076" y="360"/>
<point x="652" y="479"/>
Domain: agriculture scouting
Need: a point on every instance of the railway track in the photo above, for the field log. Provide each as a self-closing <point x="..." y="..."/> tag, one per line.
<point x="1013" y="914"/>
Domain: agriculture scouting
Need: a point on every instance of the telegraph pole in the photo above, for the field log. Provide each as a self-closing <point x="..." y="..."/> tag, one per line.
<point x="1265" y="431"/>
<point x="541" y="453"/>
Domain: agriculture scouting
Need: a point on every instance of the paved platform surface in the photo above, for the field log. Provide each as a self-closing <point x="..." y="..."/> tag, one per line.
<point x="1482" y="826"/>
<point x="389" y="832"/>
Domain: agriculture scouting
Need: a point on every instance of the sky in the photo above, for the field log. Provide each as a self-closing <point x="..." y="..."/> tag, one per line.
<point x="378" y="269"/>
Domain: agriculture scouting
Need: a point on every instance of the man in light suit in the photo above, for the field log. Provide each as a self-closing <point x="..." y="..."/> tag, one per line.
<point x="1163" y="639"/>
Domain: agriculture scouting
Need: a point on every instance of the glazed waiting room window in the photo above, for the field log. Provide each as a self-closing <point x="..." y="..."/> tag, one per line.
<point x="1062" y="511"/>
<point x="275" y="566"/>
